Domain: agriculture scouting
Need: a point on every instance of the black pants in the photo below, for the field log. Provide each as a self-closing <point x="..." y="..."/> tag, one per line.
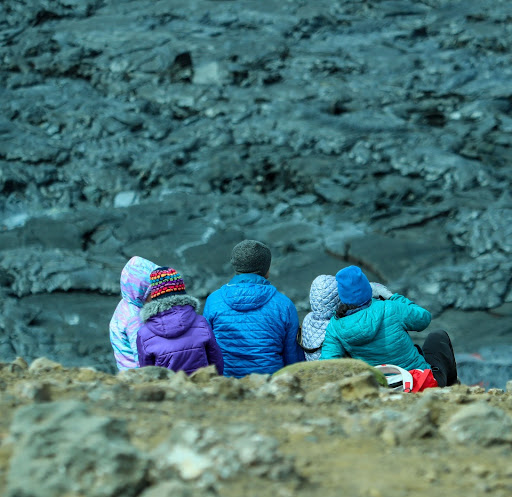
<point x="438" y="352"/>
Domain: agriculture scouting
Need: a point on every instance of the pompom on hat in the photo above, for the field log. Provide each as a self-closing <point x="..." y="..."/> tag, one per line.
<point x="251" y="256"/>
<point x="166" y="281"/>
<point x="353" y="286"/>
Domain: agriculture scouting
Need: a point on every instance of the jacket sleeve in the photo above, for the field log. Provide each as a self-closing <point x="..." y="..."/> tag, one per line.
<point x="145" y="359"/>
<point x="123" y="353"/>
<point x="332" y="348"/>
<point x="214" y="353"/>
<point x="414" y="317"/>
<point x="292" y="352"/>
<point x="133" y="326"/>
<point x="121" y="349"/>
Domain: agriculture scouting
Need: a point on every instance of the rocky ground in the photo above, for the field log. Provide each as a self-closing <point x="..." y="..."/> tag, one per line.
<point x="371" y="132"/>
<point x="325" y="429"/>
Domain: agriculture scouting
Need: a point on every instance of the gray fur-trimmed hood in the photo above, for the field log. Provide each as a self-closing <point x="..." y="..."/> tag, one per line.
<point x="165" y="303"/>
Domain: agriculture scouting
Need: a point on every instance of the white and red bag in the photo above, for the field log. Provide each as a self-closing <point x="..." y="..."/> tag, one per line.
<point x="401" y="380"/>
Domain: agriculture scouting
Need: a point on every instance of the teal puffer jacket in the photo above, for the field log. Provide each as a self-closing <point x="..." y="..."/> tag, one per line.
<point x="378" y="334"/>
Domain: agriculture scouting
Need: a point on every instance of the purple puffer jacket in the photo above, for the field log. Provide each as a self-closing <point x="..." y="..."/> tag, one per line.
<point x="175" y="337"/>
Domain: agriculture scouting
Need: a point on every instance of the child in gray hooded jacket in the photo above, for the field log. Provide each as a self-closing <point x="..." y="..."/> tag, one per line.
<point x="324" y="300"/>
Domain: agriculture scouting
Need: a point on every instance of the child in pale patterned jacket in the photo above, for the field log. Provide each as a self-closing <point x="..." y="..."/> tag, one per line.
<point x="135" y="289"/>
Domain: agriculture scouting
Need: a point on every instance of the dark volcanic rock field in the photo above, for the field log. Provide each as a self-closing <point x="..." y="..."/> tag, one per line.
<point x="368" y="132"/>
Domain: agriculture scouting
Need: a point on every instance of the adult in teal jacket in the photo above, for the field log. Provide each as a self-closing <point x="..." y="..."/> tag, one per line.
<point x="254" y="324"/>
<point x="375" y="330"/>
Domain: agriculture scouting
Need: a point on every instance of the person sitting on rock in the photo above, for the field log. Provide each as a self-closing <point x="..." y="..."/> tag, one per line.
<point x="174" y="335"/>
<point x="375" y="330"/>
<point x="125" y="321"/>
<point x="255" y="325"/>
<point x="324" y="301"/>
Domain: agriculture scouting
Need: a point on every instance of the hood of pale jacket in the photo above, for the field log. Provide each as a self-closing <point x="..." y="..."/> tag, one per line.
<point x="323" y="296"/>
<point x="170" y="317"/>
<point x="246" y="292"/>
<point x="135" y="283"/>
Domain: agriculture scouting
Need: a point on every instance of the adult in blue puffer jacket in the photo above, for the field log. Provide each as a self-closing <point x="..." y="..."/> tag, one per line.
<point x="376" y="331"/>
<point x="254" y="325"/>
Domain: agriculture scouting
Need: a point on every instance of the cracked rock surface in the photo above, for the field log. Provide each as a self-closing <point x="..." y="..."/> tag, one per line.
<point x="375" y="133"/>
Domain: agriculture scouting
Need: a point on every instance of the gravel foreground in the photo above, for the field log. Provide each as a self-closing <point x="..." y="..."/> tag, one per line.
<point x="327" y="428"/>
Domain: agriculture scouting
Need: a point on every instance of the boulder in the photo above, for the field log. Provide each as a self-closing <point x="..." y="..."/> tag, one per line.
<point x="44" y="365"/>
<point x="207" y="456"/>
<point x="95" y="450"/>
<point x="314" y="374"/>
<point x="145" y="374"/>
<point x="360" y="386"/>
<point x="204" y="375"/>
<point x="479" y="424"/>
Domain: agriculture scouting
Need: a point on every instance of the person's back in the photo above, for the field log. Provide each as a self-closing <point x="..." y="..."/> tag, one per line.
<point x="254" y="324"/>
<point x="174" y="336"/>
<point x="376" y="331"/>
<point x="125" y="322"/>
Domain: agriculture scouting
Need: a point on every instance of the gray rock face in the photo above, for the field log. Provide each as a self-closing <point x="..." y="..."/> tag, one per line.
<point x="335" y="132"/>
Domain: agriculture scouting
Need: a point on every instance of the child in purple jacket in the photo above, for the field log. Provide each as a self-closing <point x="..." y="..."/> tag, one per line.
<point x="173" y="335"/>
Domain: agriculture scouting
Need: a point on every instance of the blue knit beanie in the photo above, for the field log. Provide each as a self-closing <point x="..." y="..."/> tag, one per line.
<point x="353" y="286"/>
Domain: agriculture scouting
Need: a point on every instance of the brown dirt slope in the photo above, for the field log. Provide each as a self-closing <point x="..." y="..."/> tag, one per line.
<point x="153" y="433"/>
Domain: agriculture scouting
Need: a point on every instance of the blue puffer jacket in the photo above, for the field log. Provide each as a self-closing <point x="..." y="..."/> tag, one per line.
<point x="255" y="326"/>
<point x="378" y="334"/>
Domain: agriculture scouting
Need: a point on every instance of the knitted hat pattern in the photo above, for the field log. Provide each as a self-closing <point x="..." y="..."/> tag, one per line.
<point x="353" y="286"/>
<point x="251" y="256"/>
<point x="165" y="281"/>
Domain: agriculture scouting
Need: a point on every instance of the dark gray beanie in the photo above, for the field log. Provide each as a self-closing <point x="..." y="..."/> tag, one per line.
<point x="251" y="256"/>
